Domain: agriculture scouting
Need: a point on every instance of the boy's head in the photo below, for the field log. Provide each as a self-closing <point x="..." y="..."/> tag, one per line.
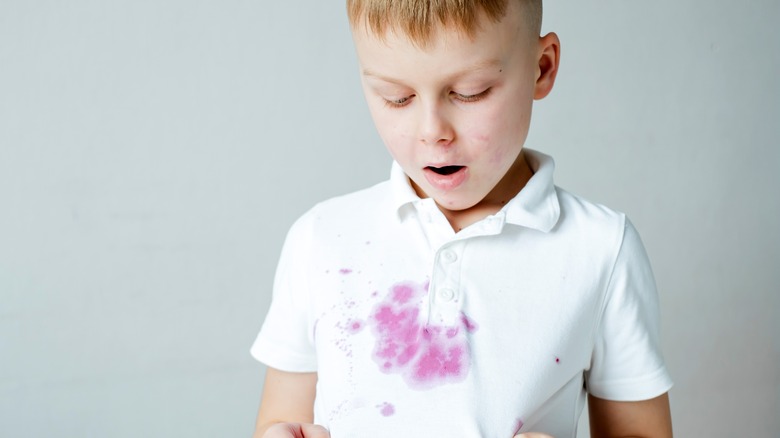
<point x="450" y="85"/>
<point x="417" y="19"/>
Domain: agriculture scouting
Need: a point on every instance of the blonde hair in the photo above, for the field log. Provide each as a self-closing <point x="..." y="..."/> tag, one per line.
<point x="419" y="19"/>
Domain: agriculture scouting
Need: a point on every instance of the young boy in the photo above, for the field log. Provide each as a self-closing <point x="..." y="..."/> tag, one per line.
<point x="467" y="296"/>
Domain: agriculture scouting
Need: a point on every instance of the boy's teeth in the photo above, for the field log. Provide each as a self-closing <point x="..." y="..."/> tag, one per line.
<point x="446" y="170"/>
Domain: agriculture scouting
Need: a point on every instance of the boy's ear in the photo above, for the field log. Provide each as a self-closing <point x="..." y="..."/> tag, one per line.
<point x="547" y="67"/>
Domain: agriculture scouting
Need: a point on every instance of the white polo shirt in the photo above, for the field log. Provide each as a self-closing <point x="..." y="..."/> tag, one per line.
<point x="418" y="331"/>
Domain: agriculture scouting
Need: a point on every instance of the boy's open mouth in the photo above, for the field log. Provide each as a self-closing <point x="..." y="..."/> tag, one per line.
<point x="446" y="170"/>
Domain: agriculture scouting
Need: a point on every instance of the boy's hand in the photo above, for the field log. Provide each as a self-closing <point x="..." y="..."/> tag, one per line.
<point x="296" y="430"/>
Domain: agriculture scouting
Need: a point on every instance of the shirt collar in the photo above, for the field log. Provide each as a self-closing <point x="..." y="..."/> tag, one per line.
<point x="536" y="206"/>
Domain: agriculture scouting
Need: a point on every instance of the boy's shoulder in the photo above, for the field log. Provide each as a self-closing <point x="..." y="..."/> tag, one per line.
<point x="576" y="206"/>
<point x="377" y="197"/>
<point x="382" y="201"/>
<point x="367" y="207"/>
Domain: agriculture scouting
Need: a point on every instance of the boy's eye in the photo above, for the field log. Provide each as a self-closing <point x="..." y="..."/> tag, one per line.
<point x="397" y="103"/>
<point x="471" y="97"/>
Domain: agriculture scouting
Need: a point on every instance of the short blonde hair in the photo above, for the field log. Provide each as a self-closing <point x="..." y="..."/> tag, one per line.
<point x="419" y="19"/>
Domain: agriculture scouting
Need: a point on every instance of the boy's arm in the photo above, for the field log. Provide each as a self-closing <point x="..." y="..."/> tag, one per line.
<point x="287" y="405"/>
<point x="649" y="418"/>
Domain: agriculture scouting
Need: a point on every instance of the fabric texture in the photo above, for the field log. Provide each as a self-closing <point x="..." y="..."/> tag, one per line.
<point x="415" y="330"/>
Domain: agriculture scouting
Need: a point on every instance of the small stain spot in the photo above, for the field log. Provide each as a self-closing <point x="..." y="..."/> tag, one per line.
<point x="386" y="409"/>
<point x="368" y="242"/>
<point x="518" y="426"/>
<point x="355" y="326"/>
<point x="470" y="325"/>
<point x="557" y="360"/>
<point x="345" y="271"/>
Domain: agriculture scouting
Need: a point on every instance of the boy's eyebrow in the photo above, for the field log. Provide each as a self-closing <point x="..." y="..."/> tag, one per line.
<point x="482" y="65"/>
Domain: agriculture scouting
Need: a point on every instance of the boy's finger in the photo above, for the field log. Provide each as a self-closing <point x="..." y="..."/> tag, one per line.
<point x="314" y="431"/>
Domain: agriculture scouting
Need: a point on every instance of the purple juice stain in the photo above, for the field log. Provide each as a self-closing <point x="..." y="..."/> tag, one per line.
<point x="470" y="325"/>
<point x="345" y="271"/>
<point x="518" y="426"/>
<point x="386" y="409"/>
<point x="424" y="355"/>
<point x="355" y="326"/>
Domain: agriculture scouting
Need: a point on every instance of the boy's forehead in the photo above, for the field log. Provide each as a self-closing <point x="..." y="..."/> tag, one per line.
<point x="458" y="51"/>
<point x="431" y="29"/>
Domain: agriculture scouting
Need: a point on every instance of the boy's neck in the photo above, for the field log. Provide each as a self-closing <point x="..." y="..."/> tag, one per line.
<point x="509" y="186"/>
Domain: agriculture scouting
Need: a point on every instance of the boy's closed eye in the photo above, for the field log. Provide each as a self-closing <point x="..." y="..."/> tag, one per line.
<point x="462" y="97"/>
<point x="472" y="97"/>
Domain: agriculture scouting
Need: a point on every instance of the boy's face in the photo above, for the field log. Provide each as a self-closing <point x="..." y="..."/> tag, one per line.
<point x="455" y="114"/>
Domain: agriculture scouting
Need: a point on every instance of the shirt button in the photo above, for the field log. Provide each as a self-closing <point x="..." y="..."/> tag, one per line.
<point x="446" y="294"/>
<point x="449" y="256"/>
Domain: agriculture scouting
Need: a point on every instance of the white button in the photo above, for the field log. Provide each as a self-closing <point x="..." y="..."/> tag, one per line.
<point x="449" y="256"/>
<point x="446" y="294"/>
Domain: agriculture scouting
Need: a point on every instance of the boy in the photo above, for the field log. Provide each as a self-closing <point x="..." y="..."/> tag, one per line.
<point x="467" y="296"/>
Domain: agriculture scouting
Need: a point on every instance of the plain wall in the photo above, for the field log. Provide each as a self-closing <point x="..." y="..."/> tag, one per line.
<point x="154" y="153"/>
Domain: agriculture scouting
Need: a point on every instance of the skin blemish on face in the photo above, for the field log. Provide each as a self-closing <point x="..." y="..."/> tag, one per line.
<point x="386" y="409"/>
<point x="424" y="355"/>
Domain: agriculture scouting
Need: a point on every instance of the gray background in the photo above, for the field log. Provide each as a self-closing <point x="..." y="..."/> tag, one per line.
<point x="154" y="153"/>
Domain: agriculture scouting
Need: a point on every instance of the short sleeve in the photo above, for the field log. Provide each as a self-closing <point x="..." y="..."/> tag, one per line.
<point x="627" y="364"/>
<point x="285" y="341"/>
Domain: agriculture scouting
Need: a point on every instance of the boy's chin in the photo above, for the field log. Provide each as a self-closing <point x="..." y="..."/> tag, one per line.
<point x="455" y="205"/>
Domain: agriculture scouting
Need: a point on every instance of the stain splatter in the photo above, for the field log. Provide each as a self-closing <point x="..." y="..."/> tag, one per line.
<point x="518" y="426"/>
<point x="355" y="326"/>
<point x="345" y="271"/>
<point x="386" y="409"/>
<point x="557" y="360"/>
<point x="470" y="325"/>
<point x="425" y="355"/>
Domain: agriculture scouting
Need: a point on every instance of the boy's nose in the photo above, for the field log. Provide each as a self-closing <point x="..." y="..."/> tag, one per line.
<point x="436" y="127"/>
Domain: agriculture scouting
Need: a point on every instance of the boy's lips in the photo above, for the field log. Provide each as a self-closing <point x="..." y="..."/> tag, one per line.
<point x="445" y="177"/>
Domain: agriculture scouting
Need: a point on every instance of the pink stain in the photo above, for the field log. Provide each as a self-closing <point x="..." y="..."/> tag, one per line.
<point x="424" y="355"/>
<point x="518" y="426"/>
<point x="355" y="326"/>
<point x="402" y="293"/>
<point x="470" y="325"/>
<point x="345" y="271"/>
<point x="386" y="409"/>
<point x="557" y="360"/>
